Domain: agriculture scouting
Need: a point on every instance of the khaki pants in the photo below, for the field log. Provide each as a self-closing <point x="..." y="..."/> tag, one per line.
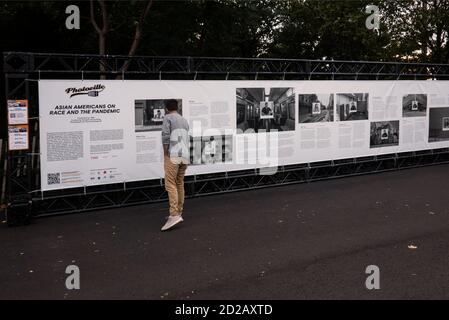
<point x="174" y="183"/>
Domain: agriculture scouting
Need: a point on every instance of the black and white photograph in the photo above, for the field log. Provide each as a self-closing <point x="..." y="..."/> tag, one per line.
<point x="414" y="105"/>
<point x="384" y="134"/>
<point x="446" y="124"/>
<point x="149" y="114"/>
<point x="352" y="106"/>
<point x="265" y="109"/>
<point x="158" y="115"/>
<point x="438" y="124"/>
<point x="210" y="150"/>
<point x="315" y="107"/>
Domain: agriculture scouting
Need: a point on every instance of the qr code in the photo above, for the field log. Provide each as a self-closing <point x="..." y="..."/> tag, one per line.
<point x="53" y="178"/>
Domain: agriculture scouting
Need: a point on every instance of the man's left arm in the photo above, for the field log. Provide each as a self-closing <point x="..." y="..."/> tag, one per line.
<point x="166" y="136"/>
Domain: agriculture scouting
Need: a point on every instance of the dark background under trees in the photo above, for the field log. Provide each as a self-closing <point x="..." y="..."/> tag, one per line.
<point x="310" y="29"/>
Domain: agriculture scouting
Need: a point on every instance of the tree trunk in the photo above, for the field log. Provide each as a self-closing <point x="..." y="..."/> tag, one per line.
<point x="137" y="35"/>
<point x="102" y="32"/>
<point x="424" y="33"/>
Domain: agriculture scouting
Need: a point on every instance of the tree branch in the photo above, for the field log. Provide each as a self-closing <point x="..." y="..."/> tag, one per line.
<point x="92" y="17"/>
<point x="138" y="32"/>
<point x="104" y="13"/>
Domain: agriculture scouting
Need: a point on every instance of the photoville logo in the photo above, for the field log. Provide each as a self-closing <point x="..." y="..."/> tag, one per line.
<point x="93" y="91"/>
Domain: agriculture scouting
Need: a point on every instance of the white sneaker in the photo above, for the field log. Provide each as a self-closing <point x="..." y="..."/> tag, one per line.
<point x="171" y="222"/>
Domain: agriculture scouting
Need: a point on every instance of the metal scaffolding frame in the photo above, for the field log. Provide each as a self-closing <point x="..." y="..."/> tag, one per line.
<point x="21" y="70"/>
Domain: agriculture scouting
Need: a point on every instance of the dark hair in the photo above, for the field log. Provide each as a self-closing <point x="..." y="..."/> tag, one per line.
<point x="171" y="105"/>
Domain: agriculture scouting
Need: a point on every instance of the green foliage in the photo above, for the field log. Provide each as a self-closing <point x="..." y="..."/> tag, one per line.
<point x="335" y="29"/>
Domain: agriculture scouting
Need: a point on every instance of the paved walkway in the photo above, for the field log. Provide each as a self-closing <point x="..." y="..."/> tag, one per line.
<point x="295" y="242"/>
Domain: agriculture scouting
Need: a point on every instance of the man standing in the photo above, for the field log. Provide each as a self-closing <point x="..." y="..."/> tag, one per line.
<point x="175" y="140"/>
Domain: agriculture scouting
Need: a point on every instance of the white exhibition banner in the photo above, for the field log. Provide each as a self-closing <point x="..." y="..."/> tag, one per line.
<point x="109" y="131"/>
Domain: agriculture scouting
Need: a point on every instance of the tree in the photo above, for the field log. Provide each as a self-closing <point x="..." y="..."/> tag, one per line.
<point x="328" y="29"/>
<point x="419" y="29"/>
<point x="105" y="28"/>
<point x="413" y="30"/>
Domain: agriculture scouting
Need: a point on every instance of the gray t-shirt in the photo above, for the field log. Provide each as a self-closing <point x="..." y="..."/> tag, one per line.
<point x="175" y="134"/>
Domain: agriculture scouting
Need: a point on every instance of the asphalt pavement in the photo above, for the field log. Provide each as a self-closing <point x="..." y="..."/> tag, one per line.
<point x="305" y="241"/>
